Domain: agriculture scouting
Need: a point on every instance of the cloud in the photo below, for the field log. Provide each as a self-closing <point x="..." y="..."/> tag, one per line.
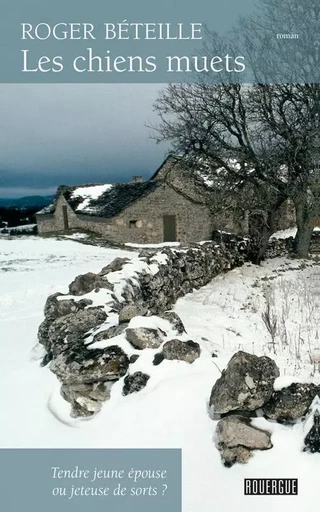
<point x="53" y="134"/>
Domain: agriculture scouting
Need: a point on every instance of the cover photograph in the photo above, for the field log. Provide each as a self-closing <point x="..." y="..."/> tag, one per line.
<point x="159" y="255"/>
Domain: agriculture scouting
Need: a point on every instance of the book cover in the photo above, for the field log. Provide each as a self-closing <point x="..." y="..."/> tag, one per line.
<point x="159" y="248"/>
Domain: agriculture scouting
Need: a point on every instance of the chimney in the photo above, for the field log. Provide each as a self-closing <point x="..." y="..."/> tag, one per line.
<point x="137" y="179"/>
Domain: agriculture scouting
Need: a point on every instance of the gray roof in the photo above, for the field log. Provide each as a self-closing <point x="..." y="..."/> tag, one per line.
<point x="107" y="205"/>
<point x="109" y="200"/>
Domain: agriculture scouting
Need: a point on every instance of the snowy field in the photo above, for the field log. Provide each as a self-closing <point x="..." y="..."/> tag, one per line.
<point x="270" y="310"/>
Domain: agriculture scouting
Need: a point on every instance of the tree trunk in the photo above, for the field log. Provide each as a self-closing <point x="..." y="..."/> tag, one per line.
<point x="263" y="244"/>
<point x="303" y="239"/>
<point x="262" y="232"/>
<point x="305" y="224"/>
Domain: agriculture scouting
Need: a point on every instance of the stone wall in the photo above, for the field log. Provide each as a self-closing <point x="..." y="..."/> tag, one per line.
<point x="100" y="306"/>
<point x="146" y="285"/>
<point x="188" y="269"/>
<point x="281" y="247"/>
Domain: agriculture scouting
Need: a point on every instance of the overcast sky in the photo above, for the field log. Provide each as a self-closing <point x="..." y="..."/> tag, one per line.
<point x="70" y="134"/>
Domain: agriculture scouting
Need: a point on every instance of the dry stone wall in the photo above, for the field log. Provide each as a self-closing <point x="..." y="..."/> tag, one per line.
<point x="79" y="327"/>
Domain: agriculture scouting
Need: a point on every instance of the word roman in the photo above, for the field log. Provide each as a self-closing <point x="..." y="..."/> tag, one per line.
<point x="272" y="486"/>
<point x="123" y="30"/>
<point x="287" y="36"/>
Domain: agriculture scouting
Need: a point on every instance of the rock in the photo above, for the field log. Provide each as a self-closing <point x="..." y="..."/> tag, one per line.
<point x="83" y="284"/>
<point x="290" y="403"/>
<point x="230" y="456"/>
<point x="115" y="266"/>
<point x="85" y="407"/>
<point x="158" y="358"/>
<point x="43" y="336"/>
<point x="130" y="311"/>
<point x="55" y="308"/>
<point x="86" y="283"/>
<point x="246" y="383"/>
<point x="47" y="358"/>
<point x="80" y="365"/>
<point x="71" y="328"/>
<point x="102" y="283"/>
<point x="143" y="337"/>
<point x="86" y="399"/>
<point x="174" y="320"/>
<point x="134" y="383"/>
<point x="109" y="333"/>
<point x="187" y="351"/>
<point x="133" y="358"/>
<point x="236" y="430"/>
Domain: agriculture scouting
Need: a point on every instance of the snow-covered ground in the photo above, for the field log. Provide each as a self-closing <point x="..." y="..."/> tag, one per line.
<point x="171" y="411"/>
<point x="25" y="228"/>
<point x="286" y="233"/>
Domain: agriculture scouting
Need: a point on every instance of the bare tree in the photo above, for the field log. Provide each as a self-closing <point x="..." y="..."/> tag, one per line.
<point x="264" y="136"/>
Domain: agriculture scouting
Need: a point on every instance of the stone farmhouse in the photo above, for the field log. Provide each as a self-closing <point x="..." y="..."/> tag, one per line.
<point x="168" y="207"/>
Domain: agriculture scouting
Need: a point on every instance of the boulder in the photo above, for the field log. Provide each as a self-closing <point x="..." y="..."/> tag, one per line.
<point x="84" y="283"/>
<point x="134" y="383"/>
<point x="174" y="320"/>
<point x="158" y="358"/>
<point x="115" y="266"/>
<point x="71" y="328"/>
<point x="43" y="334"/>
<point x="101" y="282"/>
<point x="130" y="311"/>
<point x="236" y="430"/>
<point x="134" y="358"/>
<point x="246" y="383"/>
<point x="290" y="403"/>
<point x="86" y="399"/>
<point x="80" y="365"/>
<point x="144" y="337"/>
<point x="187" y="351"/>
<point x="55" y="308"/>
<point x="230" y="456"/>
<point x="109" y="333"/>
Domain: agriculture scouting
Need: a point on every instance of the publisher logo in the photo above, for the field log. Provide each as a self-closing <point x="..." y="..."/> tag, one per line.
<point x="272" y="486"/>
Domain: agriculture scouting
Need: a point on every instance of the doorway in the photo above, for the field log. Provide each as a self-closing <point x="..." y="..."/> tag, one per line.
<point x="65" y="218"/>
<point x="169" y="228"/>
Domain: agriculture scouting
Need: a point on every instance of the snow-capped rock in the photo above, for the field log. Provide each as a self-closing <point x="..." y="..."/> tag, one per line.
<point x="245" y="385"/>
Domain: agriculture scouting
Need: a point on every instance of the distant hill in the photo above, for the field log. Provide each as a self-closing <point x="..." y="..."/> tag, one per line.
<point x="26" y="202"/>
